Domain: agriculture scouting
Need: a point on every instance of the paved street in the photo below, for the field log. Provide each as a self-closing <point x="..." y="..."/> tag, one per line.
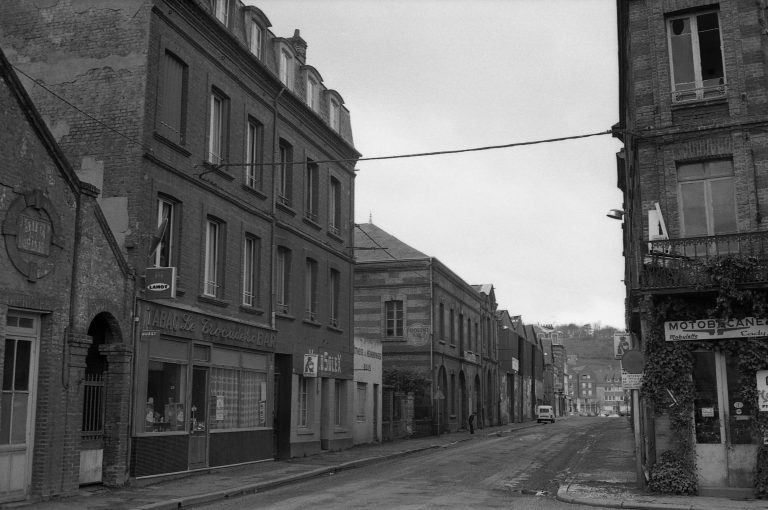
<point x="521" y="470"/>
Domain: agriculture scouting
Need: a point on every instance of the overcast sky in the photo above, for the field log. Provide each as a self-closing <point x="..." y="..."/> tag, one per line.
<point x="434" y="75"/>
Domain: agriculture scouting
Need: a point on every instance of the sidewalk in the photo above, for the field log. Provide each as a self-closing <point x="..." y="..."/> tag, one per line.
<point x="603" y="477"/>
<point x="606" y="477"/>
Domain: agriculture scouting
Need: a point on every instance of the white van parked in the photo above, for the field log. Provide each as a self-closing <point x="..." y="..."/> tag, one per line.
<point x="545" y="413"/>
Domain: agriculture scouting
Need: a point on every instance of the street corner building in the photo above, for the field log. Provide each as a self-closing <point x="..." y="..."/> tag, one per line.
<point x="226" y="174"/>
<point x="65" y="330"/>
<point x="694" y="176"/>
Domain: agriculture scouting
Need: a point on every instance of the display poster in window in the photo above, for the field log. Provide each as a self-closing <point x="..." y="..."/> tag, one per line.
<point x="310" y="365"/>
<point x="762" y="390"/>
<point x="219" y="408"/>
<point x="622" y="342"/>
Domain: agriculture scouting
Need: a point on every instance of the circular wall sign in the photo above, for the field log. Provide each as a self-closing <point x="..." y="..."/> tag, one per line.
<point x="32" y="233"/>
<point x="633" y="362"/>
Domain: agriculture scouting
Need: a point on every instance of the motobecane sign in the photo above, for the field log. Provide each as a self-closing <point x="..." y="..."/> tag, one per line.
<point x="197" y="326"/>
<point x="715" y="329"/>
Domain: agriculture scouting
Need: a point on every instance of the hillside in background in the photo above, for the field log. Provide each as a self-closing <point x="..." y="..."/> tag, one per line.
<point x="592" y="346"/>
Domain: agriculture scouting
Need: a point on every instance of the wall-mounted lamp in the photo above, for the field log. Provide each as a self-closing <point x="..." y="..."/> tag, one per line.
<point x="616" y="214"/>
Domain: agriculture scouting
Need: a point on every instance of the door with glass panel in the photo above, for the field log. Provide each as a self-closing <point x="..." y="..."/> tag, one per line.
<point x="17" y="405"/>
<point x="726" y="447"/>
<point x="198" y="419"/>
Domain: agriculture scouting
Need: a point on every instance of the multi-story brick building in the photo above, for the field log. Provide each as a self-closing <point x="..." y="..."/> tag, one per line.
<point x="431" y="324"/>
<point x="226" y="165"/>
<point x="66" y="294"/>
<point x="694" y="173"/>
<point x="510" y="388"/>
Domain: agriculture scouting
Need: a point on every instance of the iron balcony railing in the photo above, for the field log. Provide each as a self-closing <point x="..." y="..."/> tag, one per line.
<point x="689" y="262"/>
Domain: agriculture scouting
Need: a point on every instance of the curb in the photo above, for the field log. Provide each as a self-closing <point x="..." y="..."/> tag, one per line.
<point x="562" y="495"/>
<point x="208" y="497"/>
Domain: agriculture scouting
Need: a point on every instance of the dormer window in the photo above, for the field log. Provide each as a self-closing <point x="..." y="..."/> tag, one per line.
<point x="312" y="93"/>
<point x="286" y="68"/>
<point x="334" y="114"/>
<point x="256" y="38"/>
<point x="221" y="10"/>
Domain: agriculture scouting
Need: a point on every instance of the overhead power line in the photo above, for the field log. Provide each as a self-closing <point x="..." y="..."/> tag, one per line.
<point x="434" y="153"/>
<point x="346" y="160"/>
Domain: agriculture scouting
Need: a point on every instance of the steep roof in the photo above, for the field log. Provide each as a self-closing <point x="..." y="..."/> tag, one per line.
<point x="373" y="244"/>
<point x="485" y="288"/>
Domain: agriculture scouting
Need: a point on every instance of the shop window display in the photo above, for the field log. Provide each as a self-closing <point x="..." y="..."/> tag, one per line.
<point x="240" y="398"/>
<point x="165" y="397"/>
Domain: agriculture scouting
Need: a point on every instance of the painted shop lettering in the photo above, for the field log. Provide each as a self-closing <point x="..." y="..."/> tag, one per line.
<point x="707" y="324"/>
<point x="170" y="321"/>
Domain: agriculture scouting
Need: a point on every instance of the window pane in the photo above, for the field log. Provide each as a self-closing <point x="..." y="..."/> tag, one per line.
<point x="682" y="54"/>
<point x="741" y="417"/>
<point x="707" y="413"/>
<point x="5" y="417"/>
<point x="709" y="48"/>
<point x="8" y="363"/>
<point x="723" y="206"/>
<point x="690" y="171"/>
<point x="19" y="421"/>
<point x="23" y="352"/>
<point x="224" y="392"/>
<point x="694" y="209"/>
<point x="251" y="155"/>
<point x="165" y="397"/>
<point x="252" y="399"/>
<point x="719" y="168"/>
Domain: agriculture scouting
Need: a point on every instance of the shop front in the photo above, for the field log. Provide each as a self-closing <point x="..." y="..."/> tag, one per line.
<point x="202" y="392"/>
<point x="726" y="438"/>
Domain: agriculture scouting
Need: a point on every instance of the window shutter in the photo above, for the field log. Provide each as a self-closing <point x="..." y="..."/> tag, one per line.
<point x="171" y="99"/>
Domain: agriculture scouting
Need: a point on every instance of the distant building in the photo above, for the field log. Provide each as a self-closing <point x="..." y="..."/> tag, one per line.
<point x="510" y="383"/>
<point x="368" y="370"/>
<point x="433" y="326"/>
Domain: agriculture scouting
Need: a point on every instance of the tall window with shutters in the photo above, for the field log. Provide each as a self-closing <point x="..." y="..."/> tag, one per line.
<point x="253" y="170"/>
<point x="334" y="288"/>
<point x="310" y="290"/>
<point x="217" y="130"/>
<point x="212" y="283"/>
<point x="285" y="174"/>
<point x="283" y="279"/>
<point x="165" y="225"/>
<point x="334" y="214"/>
<point x="311" y="190"/>
<point x="171" y="120"/>
<point x="250" y="271"/>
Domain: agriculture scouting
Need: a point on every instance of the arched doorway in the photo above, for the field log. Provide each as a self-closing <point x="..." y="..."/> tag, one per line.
<point x="463" y="401"/>
<point x="489" y="400"/>
<point x="441" y="400"/>
<point x="103" y="330"/>
<point x="478" y="401"/>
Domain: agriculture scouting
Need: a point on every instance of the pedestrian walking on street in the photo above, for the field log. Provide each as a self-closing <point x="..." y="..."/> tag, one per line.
<point x="471" y="421"/>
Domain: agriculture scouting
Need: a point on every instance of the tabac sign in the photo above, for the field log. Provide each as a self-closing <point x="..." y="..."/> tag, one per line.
<point x="715" y="329"/>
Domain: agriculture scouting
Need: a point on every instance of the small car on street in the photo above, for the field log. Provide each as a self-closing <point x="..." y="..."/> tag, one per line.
<point x="544" y="414"/>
